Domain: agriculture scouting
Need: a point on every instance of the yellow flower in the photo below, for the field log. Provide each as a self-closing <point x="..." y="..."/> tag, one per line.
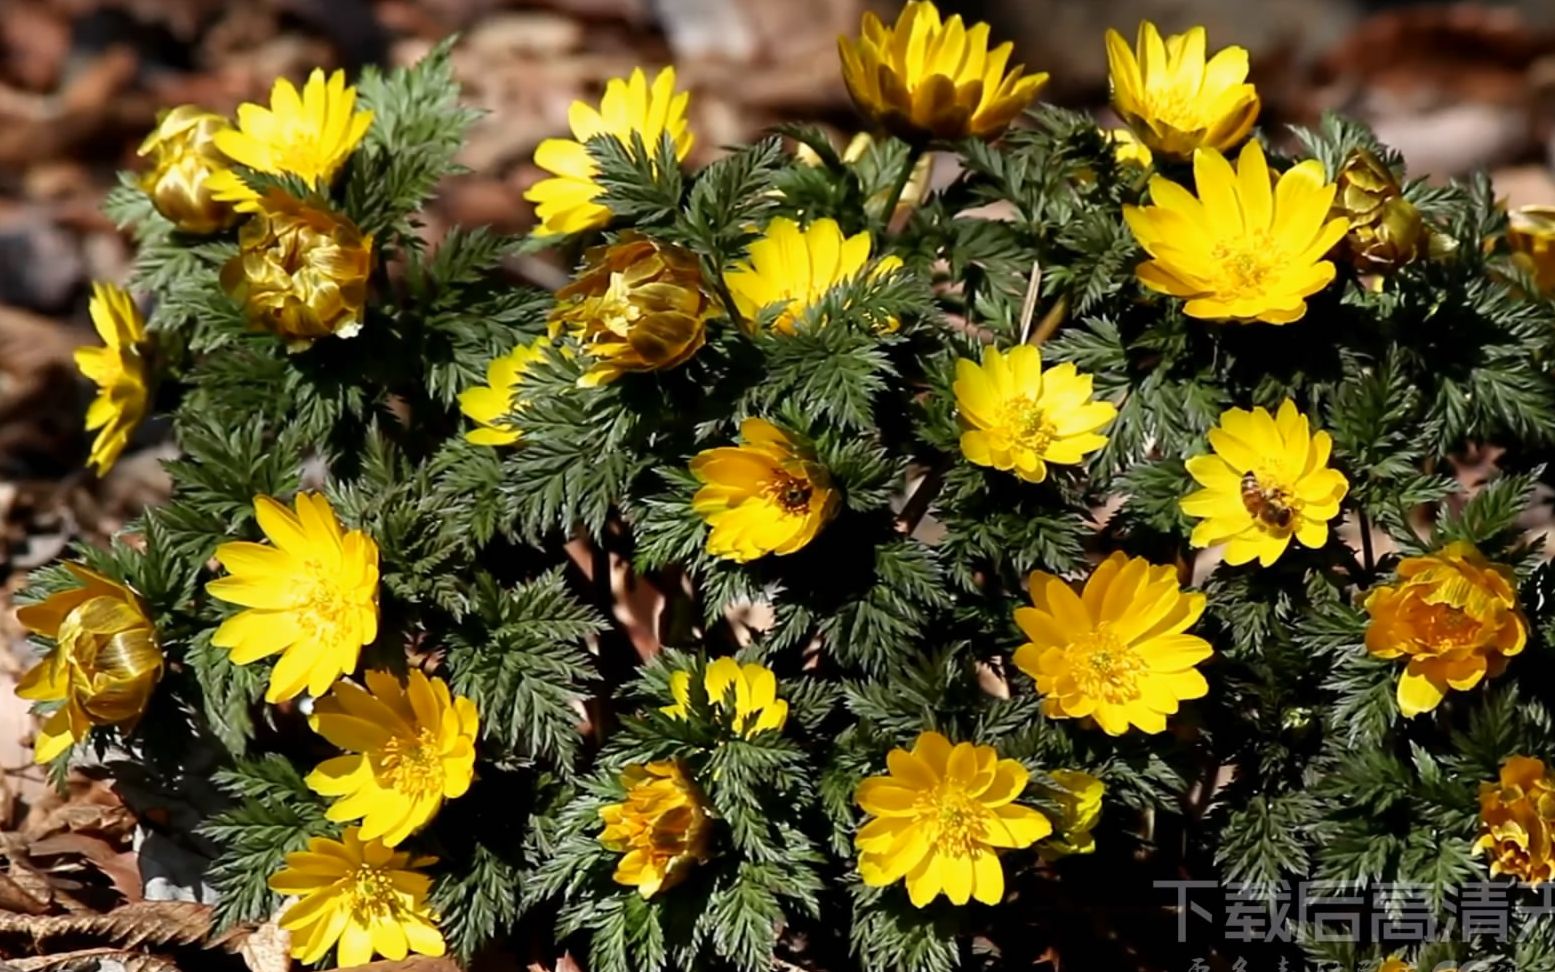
<point x="491" y="405"/>
<point x="1174" y="99"/>
<point x="1119" y="651"/>
<point x="637" y="305"/>
<point x="1267" y="481"/>
<point x="796" y="268"/>
<point x="409" y="748"/>
<point x="1127" y="149"/>
<point x="756" y="705"/>
<point x="662" y="828"/>
<point x="104" y="664"/>
<point x="941" y="814"/>
<point x="766" y="495"/>
<point x="300" y="273"/>
<point x="312" y="596"/>
<point x="184" y="157"/>
<point x="565" y="202"/>
<point x="1080" y="797"/>
<point x="1517" y="821"/>
<point x="120" y="372"/>
<point x="1453" y="616"/>
<point x="1531" y="233"/>
<point x="1395" y="964"/>
<point x="309" y="135"/>
<point x="1245" y="249"/>
<point x="358" y="893"/>
<point x="1018" y="417"/>
<point x="1386" y="230"/>
<point x="924" y="78"/>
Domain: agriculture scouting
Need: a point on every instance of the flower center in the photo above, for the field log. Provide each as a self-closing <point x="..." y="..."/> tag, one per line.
<point x="615" y="309"/>
<point x="1247" y="263"/>
<point x="790" y="493"/>
<point x="1027" y="423"/>
<point x="370" y="894"/>
<point x="957" y="819"/>
<point x="321" y="607"/>
<point x="1175" y="107"/>
<point x="1270" y="503"/>
<point x="1445" y="628"/>
<point x="412" y="764"/>
<point x="1103" y="667"/>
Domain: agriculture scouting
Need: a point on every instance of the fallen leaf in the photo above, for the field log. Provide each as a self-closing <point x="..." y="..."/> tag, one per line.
<point x="267" y="949"/>
<point x="13" y="897"/>
<point x="141" y="923"/>
<point x="415" y="963"/>
<point x="120" y="867"/>
<point x="91" y="959"/>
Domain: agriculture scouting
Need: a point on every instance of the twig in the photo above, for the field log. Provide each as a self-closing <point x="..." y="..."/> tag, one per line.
<point x="1367" y="555"/>
<point x="1028" y="307"/>
<point x="918" y="503"/>
<point x="1048" y="326"/>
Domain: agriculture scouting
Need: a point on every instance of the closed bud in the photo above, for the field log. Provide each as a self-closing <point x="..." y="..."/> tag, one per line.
<point x="104" y="664"/>
<point x="662" y="829"/>
<point x="1386" y="230"/>
<point x="637" y="305"/>
<point x="183" y="158"/>
<point x="1079" y="799"/>
<point x="1517" y="821"/>
<point x="1531" y="232"/>
<point x="301" y="272"/>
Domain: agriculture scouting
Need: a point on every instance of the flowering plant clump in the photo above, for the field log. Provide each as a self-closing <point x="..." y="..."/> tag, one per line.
<point x="829" y="575"/>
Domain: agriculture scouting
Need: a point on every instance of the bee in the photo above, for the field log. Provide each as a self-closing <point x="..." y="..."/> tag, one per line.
<point x="1267" y="505"/>
<point x="793" y="495"/>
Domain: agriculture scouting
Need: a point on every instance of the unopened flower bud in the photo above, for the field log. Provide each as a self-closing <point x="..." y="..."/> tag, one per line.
<point x="1386" y="230"/>
<point x="183" y="158"/>
<point x="1531" y="232"/>
<point x="637" y="305"/>
<point x="301" y="272"/>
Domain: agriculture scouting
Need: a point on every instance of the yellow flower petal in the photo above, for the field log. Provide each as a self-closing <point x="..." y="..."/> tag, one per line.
<point x="1239" y="251"/>
<point x="315" y="600"/>
<point x="927" y="78"/>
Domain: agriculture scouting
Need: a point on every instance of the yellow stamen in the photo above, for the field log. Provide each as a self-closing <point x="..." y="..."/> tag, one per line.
<point x="1028" y="423"/>
<point x="412" y="764"/>
<point x="1104" y="667"/>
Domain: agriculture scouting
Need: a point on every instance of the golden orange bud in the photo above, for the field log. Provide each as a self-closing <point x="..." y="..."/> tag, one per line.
<point x="637" y="305"/>
<point x="301" y="272"/>
<point x="183" y="158"/>
<point x="1517" y="821"/>
<point x="104" y="664"/>
<point x="1531" y="232"/>
<point x="661" y="829"/>
<point x="1386" y="230"/>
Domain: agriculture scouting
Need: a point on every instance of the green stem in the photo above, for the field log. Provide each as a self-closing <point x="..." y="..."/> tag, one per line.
<point x="914" y="153"/>
<point x="715" y="273"/>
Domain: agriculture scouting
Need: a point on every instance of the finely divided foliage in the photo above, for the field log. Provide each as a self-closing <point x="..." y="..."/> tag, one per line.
<point x="934" y="671"/>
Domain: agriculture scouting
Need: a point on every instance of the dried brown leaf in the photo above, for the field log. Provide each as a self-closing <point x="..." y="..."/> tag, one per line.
<point x="267" y="949"/>
<point x="120" y="867"/>
<point x="14" y="897"/>
<point x="92" y="959"/>
<point x="415" y="963"/>
<point x="141" y="923"/>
